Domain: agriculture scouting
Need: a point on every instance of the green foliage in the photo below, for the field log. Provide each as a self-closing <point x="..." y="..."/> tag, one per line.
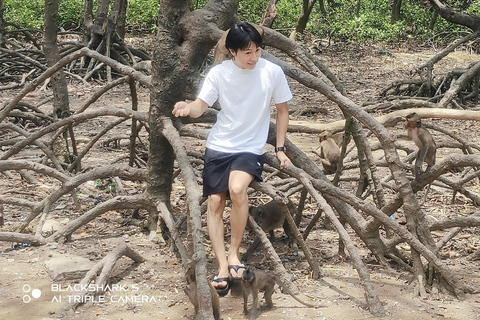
<point x="70" y="14"/>
<point x="142" y="14"/>
<point x="251" y="11"/>
<point x="342" y="22"/>
<point x="26" y="14"/>
<point x="371" y="21"/>
<point x="30" y="14"/>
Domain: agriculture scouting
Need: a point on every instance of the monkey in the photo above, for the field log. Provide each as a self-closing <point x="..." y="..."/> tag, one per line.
<point x="269" y="217"/>
<point x="338" y="138"/>
<point x="220" y="52"/>
<point x="329" y="151"/>
<point x="258" y="280"/>
<point x="423" y="140"/>
<point x="191" y="291"/>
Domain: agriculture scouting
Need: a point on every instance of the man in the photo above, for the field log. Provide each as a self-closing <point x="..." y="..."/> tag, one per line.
<point x="244" y="88"/>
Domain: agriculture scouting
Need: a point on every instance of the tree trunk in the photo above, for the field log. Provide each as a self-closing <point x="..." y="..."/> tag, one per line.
<point x="183" y="41"/>
<point x="321" y="4"/>
<point x="269" y="14"/>
<point x="396" y="6"/>
<point x="122" y="18"/>
<point x="61" y="108"/>
<point x="2" y="26"/>
<point x="457" y="17"/>
<point x="303" y="18"/>
<point x="87" y="20"/>
<point x="357" y="8"/>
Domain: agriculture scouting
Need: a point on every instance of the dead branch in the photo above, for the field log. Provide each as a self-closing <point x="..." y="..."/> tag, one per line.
<point x="78" y="159"/>
<point x="69" y="185"/>
<point x="77" y="118"/>
<point x="451" y="161"/>
<point x="104" y="270"/>
<point x="167" y="217"/>
<point x="450" y="48"/>
<point x="471" y="220"/>
<point x="33" y="166"/>
<point x="98" y="93"/>
<point x="280" y="198"/>
<point x="433" y="112"/>
<point x="48" y="152"/>
<point x="371" y="296"/>
<point x="63" y="62"/>
<point x="459" y="84"/>
<point x="117" y="203"/>
<point x="22" y="238"/>
<point x="449" y="236"/>
<point x="16" y="85"/>
<point x="460" y="288"/>
<point x="193" y="196"/>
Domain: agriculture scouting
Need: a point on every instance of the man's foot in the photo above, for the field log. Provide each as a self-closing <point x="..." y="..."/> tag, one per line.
<point x="222" y="285"/>
<point x="237" y="272"/>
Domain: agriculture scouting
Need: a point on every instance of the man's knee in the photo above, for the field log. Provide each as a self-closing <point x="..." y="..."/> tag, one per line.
<point x="216" y="204"/>
<point x="238" y="193"/>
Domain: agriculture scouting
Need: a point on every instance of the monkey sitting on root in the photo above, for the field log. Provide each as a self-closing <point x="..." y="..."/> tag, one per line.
<point x="258" y="280"/>
<point x="191" y="291"/>
<point x="423" y="140"/>
<point x="329" y="150"/>
<point x="269" y="217"/>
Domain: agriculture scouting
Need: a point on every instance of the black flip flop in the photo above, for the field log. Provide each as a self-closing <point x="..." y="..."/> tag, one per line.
<point x="222" y="291"/>
<point x="236" y="267"/>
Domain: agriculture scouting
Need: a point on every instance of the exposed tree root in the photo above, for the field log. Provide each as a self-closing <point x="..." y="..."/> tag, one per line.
<point x="100" y="273"/>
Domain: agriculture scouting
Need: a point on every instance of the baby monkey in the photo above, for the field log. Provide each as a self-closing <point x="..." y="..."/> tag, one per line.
<point x="255" y="281"/>
<point x="329" y="151"/>
<point x="191" y="291"/>
<point x="423" y="140"/>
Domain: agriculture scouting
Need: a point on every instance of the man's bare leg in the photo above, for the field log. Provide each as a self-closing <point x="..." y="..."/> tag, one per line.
<point x="215" y="227"/>
<point x="238" y="184"/>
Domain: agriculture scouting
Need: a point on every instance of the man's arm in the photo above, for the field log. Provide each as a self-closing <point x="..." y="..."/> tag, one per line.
<point x="282" y="127"/>
<point x="193" y="109"/>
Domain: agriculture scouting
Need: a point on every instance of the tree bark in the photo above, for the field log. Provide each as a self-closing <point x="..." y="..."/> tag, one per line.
<point x="61" y="108"/>
<point x="103" y="269"/>
<point x="2" y="26"/>
<point x="184" y="39"/>
<point x="396" y="6"/>
<point x="307" y="6"/>
<point x="269" y="14"/>
<point x="453" y="16"/>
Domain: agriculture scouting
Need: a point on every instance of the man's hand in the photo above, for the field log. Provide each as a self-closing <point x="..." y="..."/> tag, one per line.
<point x="282" y="157"/>
<point x="181" y="109"/>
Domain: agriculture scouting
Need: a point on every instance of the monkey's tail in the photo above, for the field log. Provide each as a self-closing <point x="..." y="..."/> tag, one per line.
<point x="290" y="292"/>
<point x="426" y="194"/>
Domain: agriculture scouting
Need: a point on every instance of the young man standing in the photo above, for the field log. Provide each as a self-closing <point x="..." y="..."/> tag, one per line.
<point x="244" y="88"/>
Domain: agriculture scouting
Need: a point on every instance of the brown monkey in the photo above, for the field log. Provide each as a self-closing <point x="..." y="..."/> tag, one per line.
<point x="191" y="291"/>
<point x="255" y="281"/>
<point x="269" y="217"/>
<point x="220" y="52"/>
<point x="338" y="138"/>
<point x="329" y="152"/>
<point x="424" y="141"/>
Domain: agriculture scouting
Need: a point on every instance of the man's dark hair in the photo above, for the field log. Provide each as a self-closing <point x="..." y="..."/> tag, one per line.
<point x="240" y="36"/>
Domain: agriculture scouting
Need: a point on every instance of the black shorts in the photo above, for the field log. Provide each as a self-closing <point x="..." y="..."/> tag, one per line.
<point x="218" y="166"/>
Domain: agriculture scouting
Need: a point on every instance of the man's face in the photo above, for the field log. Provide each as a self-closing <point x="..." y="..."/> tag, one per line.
<point x="248" y="58"/>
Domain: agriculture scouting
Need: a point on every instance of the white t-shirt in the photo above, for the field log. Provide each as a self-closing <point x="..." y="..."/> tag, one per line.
<point x="244" y="96"/>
